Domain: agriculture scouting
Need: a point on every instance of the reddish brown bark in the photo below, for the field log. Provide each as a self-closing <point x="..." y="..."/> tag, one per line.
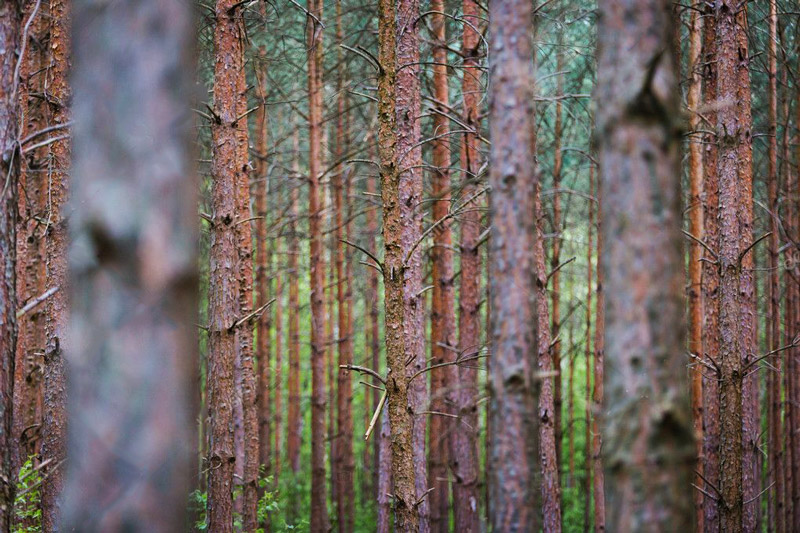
<point x="648" y="438"/>
<point x="464" y="462"/>
<point x="696" y="250"/>
<point x="598" y="477"/>
<point x="793" y="356"/>
<point x="548" y="458"/>
<point x="443" y="340"/>
<point x="401" y="422"/>
<point x="710" y="277"/>
<point x="319" y="510"/>
<point x="133" y="268"/>
<point x="277" y="369"/>
<point x="54" y="421"/>
<point x="555" y="253"/>
<point x="513" y="383"/>
<point x="10" y="21"/>
<point x="588" y="358"/>
<point x="293" y="414"/>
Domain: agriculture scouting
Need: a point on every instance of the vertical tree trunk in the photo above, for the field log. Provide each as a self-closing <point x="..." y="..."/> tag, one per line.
<point x="277" y="370"/>
<point x="513" y="383"/>
<point x="774" y="340"/>
<point x="548" y="459"/>
<point x="793" y="356"/>
<point x="344" y="390"/>
<point x="384" y="476"/>
<point x="443" y="340"/>
<point x="710" y="277"/>
<point x="54" y="420"/>
<point x="319" y="510"/>
<point x="555" y="252"/>
<point x="409" y="169"/>
<point x="293" y="414"/>
<point x="374" y="347"/>
<point x="223" y="298"/>
<point x="401" y="422"/>
<point x="133" y="267"/>
<point x="648" y="434"/>
<point x="464" y="462"/>
<point x="10" y="21"/>
<point x="587" y="354"/>
<point x="597" y="393"/>
<point x="695" y="249"/>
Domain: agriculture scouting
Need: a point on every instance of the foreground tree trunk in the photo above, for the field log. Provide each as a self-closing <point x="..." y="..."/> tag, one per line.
<point x="319" y="508"/>
<point x="401" y="422"/>
<point x="223" y="298"/>
<point x="648" y="431"/>
<point x="54" y="418"/>
<point x="513" y="383"/>
<point x="10" y="20"/>
<point x="133" y="270"/>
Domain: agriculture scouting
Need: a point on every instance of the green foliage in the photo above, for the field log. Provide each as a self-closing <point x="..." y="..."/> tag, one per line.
<point x="26" y="503"/>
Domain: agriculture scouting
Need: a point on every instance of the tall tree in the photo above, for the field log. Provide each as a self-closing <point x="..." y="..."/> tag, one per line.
<point x="513" y="383"/>
<point x="647" y="423"/>
<point x="133" y="269"/>
<point x="401" y="422"/>
<point x="598" y="478"/>
<point x="319" y="509"/>
<point x="54" y="420"/>
<point x="293" y="409"/>
<point x="10" y="21"/>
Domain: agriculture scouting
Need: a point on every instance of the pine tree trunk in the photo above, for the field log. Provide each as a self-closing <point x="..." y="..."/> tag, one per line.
<point x="319" y="510"/>
<point x="588" y="358"/>
<point x="513" y="381"/>
<point x="648" y="435"/>
<point x="133" y="266"/>
<point x="597" y="392"/>
<point x="555" y="253"/>
<point x="293" y="414"/>
<point x="443" y="339"/>
<point x="10" y="21"/>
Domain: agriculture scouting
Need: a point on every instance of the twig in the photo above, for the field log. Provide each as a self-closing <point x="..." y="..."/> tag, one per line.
<point x="254" y="314"/>
<point x="357" y="247"/>
<point x="375" y="415"/>
<point x="36" y="301"/>
<point x="559" y="267"/>
<point x="45" y="130"/>
<point x="701" y="243"/>
<point x="744" y="253"/>
<point x="760" y="494"/>
<point x="308" y="13"/>
<point x="364" y="370"/>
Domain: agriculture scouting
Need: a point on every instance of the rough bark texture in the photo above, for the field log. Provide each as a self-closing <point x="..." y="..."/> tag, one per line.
<point x="223" y="298"/>
<point x="133" y="266"/>
<point x="401" y="421"/>
<point x="443" y="334"/>
<point x="409" y="169"/>
<point x="54" y="420"/>
<point x="464" y="462"/>
<point x="513" y="384"/>
<point x="710" y="284"/>
<point x="548" y="458"/>
<point x="10" y="21"/>
<point x="319" y="508"/>
<point x="648" y="438"/>
<point x="696" y="250"/>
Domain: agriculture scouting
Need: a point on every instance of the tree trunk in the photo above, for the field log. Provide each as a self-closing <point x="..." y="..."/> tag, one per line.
<point x="380" y="459"/>
<point x="464" y="462"/>
<point x="293" y="414"/>
<point x="443" y="339"/>
<point x="555" y="252"/>
<point x="401" y="422"/>
<point x="10" y="21"/>
<point x="133" y="266"/>
<point x="319" y="509"/>
<point x="513" y="383"/>
<point x="587" y="354"/>
<point x="648" y="434"/>
<point x="597" y="392"/>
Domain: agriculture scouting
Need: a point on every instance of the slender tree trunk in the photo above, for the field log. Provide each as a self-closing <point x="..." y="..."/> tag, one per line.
<point x="648" y="434"/>
<point x="277" y="369"/>
<point x="401" y="422"/>
<point x="133" y="266"/>
<point x="223" y="298"/>
<point x="443" y="334"/>
<point x="793" y="356"/>
<point x="384" y="475"/>
<point x="710" y="278"/>
<point x="379" y="475"/>
<point x="409" y="169"/>
<point x="319" y="510"/>
<point x="293" y="415"/>
<point x="30" y="269"/>
<point x="344" y="390"/>
<point x="54" y="420"/>
<point x="774" y="340"/>
<point x="587" y="354"/>
<point x="555" y="253"/>
<point x="693" y="102"/>
<point x="464" y="462"/>
<point x="263" y="272"/>
<point x="10" y="22"/>
<point x="548" y="459"/>
<point x="513" y="383"/>
<point x="597" y="392"/>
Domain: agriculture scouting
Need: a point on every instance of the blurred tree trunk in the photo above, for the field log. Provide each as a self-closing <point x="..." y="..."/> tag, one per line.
<point x="648" y="434"/>
<point x="555" y="252"/>
<point x="10" y="22"/>
<point x="443" y="339"/>
<point x="597" y="392"/>
<point x="133" y="269"/>
<point x="587" y="354"/>
<point x="513" y="383"/>
<point x="293" y="415"/>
